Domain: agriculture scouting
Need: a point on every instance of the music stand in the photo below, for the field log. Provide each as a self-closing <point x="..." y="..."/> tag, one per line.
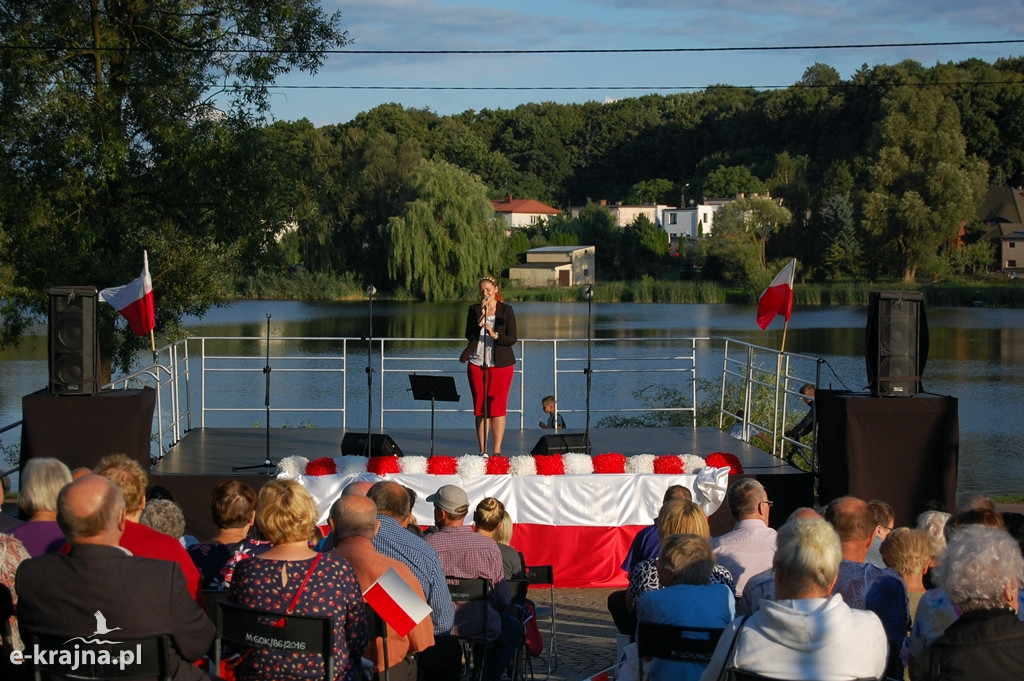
<point x="433" y="388"/>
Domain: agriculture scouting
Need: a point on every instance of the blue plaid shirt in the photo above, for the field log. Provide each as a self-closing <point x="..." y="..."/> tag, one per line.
<point x="394" y="541"/>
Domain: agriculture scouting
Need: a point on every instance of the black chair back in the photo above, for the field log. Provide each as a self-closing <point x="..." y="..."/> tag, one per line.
<point x="129" y="659"/>
<point x="677" y="643"/>
<point x="376" y="627"/>
<point x="272" y="631"/>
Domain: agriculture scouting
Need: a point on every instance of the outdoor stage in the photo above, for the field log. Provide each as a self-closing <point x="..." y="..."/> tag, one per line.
<point x="204" y="457"/>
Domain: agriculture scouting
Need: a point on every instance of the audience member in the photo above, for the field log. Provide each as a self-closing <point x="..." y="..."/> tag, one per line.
<point x="488" y="520"/>
<point x="353" y="521"/>
<point x="41" y="480"/>
<point x="909" y="552"/>
<point x="806" y="424"/>
<point x="864" y="586"/>
<point x="981" y="574"/>
<point x="357" y="488"/>
<point x="466" y="554"/>
<point x="688" y="599"/>
<point x="156" y="493"/>
<point x="645" y="544"/>
<point x="66" y="596"/>
<point x="441" y="661"/>
<point x="762" y="585"/>
<point x="292" y="578"/>
<point x="12" y="554"/>
<point x="748" y="548"/>
<point x="163" y="515"/>
<point x="972" y="501"/>
<point x="7" y="520"/>
<point x="132" y="480"/>
<point x="233" y="510"/>
<point x="885" y="520"/>
<point x="808" y="628"/>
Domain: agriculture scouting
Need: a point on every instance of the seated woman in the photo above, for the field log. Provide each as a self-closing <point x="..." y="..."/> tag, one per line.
<point x="233" y="507"/>
<point x="491" y="520"/>
<point x="291" y="577"/>
<point x="41" y="480"/>
<point x="981" y="573"/>
<point x="688" y="599"/>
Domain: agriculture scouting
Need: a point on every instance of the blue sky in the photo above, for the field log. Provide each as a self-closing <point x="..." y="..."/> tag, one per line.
<point x="619" y="24"/>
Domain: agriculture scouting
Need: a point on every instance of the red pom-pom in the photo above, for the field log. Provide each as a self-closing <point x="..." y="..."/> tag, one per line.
<point x="670" y="464"/>
<point x="322" y="466"/>
<point x="383" y="465"/>
<point x="442" y="465"/>
<point x="724" y="460"/>
<point x="549" y="464"/>
<point x="497" y="465"/>
<point x="610" y="462"/>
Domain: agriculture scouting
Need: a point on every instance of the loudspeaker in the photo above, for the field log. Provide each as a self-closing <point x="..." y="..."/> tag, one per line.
<point x="73" y="341"/>
<point x="567" y="443"/>
<point x="896" y="343"/>
<point x="354" y="444"/>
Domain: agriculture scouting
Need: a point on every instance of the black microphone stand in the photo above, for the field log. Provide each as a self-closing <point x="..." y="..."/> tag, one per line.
<point x="369" y="373"/>
<point x="589" y="294"/>
<point x="483" y="367"/>
<point x="268" y="464"/>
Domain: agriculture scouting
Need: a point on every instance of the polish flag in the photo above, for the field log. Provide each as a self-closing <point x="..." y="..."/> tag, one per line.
<point x="134" y="301"/>
<point x="778" y="297"/>
<point x="396" y="602"/>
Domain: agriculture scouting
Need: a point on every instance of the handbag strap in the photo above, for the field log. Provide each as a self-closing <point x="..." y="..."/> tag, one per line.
<point x="295" y="598"/>
<point x="724" y="673"/>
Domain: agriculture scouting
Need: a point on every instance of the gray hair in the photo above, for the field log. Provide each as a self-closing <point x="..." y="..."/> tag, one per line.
<point x="967" y="501"/>
<point x="808" y="553"/>
<point x="980" y="562"/>
<point x="163" y="515"/>
<point x="934" y="523"/>
<point x="744" y="496"/>
<point x="41" y="481"/>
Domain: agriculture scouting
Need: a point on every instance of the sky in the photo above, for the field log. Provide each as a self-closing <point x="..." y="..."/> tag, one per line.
<point x="350" y="83"/>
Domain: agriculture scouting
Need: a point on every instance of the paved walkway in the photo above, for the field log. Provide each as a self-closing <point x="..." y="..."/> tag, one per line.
<point x="584" y="630"/>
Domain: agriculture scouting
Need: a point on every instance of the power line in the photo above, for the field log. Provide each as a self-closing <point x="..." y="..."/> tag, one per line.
<point x="542" y="88"/>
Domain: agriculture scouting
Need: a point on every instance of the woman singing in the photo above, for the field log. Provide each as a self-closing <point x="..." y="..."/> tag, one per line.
<point x="492" y="324"/>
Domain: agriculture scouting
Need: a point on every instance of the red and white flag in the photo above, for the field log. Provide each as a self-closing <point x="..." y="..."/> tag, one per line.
<point x="134" y="301"/>
<point x="396" y="602"/>
<point x="778" y="297"/>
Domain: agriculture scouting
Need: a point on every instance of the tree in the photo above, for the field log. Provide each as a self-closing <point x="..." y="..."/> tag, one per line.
<point x="726" y="181"/>
<point x="922" y="182"/>
<point x="653" y="191"/>
<point x="741" y="232"/>
<point x="445" y="237"/>
<point x="111" y="139"/>
<point x="843" y="254"/>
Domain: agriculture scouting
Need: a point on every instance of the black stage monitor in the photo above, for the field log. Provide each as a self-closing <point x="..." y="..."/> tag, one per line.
<point x="381" y="444"/>
<point x="562" y="443"/>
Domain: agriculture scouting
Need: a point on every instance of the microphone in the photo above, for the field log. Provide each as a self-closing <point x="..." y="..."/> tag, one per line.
<point x="589" y="293"/>
<point x="371" y="290"/>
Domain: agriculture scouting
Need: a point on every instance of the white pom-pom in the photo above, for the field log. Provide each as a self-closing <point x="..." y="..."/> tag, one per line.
<point x="522" y="465"/>
<point x="472" y="466"/>
<point x="640" y="464"/>
<point x="577" y="464"/>
<point x="413" y="465"/>
<point x="350" y="465"/>
<point x="692" y="463"/>
<point x="292" y="467"/>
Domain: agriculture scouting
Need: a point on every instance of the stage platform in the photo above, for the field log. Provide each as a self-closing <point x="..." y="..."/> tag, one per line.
<point x="205" y="456"/>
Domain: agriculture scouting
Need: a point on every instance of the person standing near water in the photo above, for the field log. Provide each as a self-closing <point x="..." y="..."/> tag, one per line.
<point x="490" y="368"/>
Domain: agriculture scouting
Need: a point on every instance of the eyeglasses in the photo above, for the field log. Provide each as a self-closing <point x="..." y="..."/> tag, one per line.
<point x="770" y="503"/>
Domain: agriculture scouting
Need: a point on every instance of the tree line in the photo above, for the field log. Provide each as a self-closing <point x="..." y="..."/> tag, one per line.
<point x="134" y="130"/>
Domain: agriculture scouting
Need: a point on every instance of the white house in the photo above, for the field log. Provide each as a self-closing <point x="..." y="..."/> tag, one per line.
<point x="555" y="266"/>
<point x="626" y="214"/>
<point x="522" y="212"/>
<point x="691" y="223"/>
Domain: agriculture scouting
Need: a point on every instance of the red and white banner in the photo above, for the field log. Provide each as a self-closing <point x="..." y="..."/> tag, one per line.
<point x="134" y="301"/>
<point x="778" y="297"/>
<point x="396" y="603"/>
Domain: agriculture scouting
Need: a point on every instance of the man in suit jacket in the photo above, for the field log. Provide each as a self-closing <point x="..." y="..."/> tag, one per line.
<point x="100" y="591"/>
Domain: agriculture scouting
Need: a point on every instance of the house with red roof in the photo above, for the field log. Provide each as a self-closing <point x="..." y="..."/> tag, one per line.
<point x="522" y="212"/>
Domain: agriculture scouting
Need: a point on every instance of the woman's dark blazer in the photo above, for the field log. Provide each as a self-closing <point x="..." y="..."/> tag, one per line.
<point x="504" y="326"/>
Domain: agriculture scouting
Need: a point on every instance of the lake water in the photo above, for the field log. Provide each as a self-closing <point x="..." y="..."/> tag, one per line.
<point x="976" y="355"/>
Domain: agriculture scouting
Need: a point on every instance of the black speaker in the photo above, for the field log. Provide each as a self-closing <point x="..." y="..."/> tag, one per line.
<point x="73" y="342"/>
<point x="896" y="343"/>
<point x="562" y="443"/>
<point x="354" y="444"/>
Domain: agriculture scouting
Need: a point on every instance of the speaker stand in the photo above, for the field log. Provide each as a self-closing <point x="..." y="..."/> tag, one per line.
<point x="268" y="465"/>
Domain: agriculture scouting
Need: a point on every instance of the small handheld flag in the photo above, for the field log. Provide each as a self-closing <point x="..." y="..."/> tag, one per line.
<point x="396" y="602"/>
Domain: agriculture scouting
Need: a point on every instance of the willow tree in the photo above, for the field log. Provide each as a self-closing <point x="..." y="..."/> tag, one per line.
<point x="446" y="236"/>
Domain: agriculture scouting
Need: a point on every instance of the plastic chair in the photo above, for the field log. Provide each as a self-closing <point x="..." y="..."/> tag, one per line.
<point x="676" y="643"/>
<point x="475" y="591"/>
<point x="149" y="657"/>
<point x="285" y="633"/>
<point x="544" y="575"/>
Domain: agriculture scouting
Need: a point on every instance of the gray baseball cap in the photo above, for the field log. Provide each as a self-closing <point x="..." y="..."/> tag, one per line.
<point x="450" y="498"/>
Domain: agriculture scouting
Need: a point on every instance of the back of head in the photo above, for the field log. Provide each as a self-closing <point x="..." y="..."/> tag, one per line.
<point x="163" y="515"/>
<point x="744" y="497"/>
<point x="40" y="481"/>
<point x="285" y="512"/>
<point x="391" y="499"/>
<point x="884" y="514"/>
<point x="852" y="519"/>
<point x="503" y="532"/>
<point x="353" y="515"/>
<point x="232" y="504"/>
<point x="129" y="476"/>
<point x="357" y="487"/>
<point x="980" y="563"/>
<point x="680" y="516"/>
<point x="488" y="514"/>
<point x="677" y="492"/>
<point x="686" y="559"/>
<point x="89" y="507"/>
<point x="974" y="516"/>
<point x="808" y="554"/>
<point x="907" y="551"/>
<point x="967" y="501"/>
<point x="933" y="523"/>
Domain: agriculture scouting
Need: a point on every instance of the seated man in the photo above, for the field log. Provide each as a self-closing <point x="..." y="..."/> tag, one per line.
<point x="807" y="629"/>
<point x="354" y="524"/>
<point x="748" y="548"/>
<point x="466" y="554"/>
<point x="99" y="588"/>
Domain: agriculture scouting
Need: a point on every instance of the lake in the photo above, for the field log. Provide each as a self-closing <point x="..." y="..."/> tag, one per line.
<point x="976" y="355"/>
